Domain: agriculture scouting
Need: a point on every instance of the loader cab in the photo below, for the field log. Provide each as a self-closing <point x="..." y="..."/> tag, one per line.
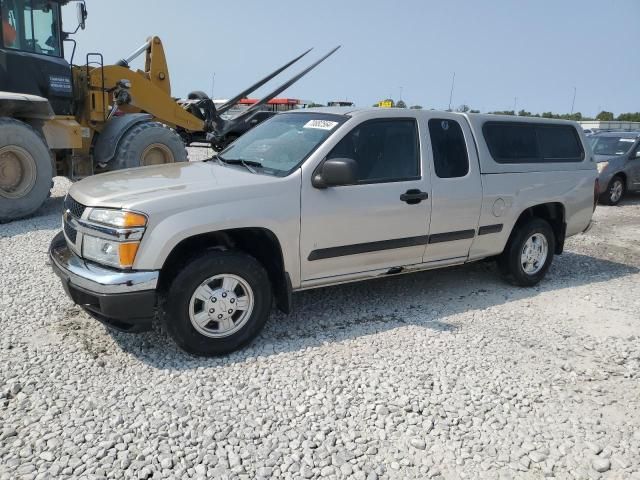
<point x="31" y="53"/>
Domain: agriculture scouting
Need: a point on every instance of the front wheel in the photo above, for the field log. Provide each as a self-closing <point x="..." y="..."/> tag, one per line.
<point x="25" y="170"/>
<point x="528" y="254"/>
<point x="148" y="143"/>
<point x="218" y="303"/>
<point x="615" y="191"/>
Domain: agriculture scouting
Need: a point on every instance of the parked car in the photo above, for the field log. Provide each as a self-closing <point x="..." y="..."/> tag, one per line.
<point x="618" y="159"/>
<point x="312" y="198"/>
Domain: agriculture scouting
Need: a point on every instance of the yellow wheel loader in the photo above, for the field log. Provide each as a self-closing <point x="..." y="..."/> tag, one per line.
<point x="57" y="118"/>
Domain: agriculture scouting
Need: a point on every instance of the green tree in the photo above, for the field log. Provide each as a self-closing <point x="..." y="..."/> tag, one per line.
<point x="416" y="107"/>
<point x="401" y="104"/>
<point x="313" y="105"/>
<point x="604" y="116"/>
<point x="524" y="113"/>
<point x="504" y="112"/>
<point x="463" y="108"/>
<point x="629" y="117"/>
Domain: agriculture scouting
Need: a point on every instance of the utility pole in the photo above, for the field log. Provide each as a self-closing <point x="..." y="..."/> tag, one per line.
<point x="573" y="102"/>
<point x="213" y="83"/>
<point x="453" y="81"/>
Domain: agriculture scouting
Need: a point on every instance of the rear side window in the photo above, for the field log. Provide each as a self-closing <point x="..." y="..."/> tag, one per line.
<point x="450" y="158"/>
<point x="532" y="143"/>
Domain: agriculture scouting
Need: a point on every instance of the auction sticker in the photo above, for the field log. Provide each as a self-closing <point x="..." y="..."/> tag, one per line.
<point x="320" y="124"/>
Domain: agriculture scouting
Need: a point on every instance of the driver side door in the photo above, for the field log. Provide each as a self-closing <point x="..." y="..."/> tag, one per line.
<point x="368" y="225"/>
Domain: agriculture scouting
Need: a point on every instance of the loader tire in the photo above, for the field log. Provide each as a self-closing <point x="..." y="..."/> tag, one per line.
<point x="148" y="143"/>
<point x="197" y="95"/>
<point x="25" y="170"/>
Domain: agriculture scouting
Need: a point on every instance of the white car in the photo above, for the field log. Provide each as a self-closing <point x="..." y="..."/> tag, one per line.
<point x="312" y="198"/>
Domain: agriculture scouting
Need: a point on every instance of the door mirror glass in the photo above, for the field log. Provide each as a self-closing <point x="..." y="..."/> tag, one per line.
<point x="82" y="15"/>
<point x="335" y="172"/>
<point x="637" y="154"/>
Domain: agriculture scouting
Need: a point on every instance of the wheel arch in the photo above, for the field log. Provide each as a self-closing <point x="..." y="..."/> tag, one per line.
<point x="22" y="106"/>
<point x="259" y="242"/>
<point x="623" y="175"/>
<point x="108" y="140"/>
<point x="552" y="212"/>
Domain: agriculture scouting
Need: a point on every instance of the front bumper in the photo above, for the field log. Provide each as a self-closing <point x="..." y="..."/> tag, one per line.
<point x="123" y="300"/>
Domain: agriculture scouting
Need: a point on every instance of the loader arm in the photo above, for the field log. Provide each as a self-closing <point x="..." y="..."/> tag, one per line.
<point x="149" y="90"/>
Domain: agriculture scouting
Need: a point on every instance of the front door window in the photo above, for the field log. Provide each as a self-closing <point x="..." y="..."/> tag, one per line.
<point x="31" y="26"/>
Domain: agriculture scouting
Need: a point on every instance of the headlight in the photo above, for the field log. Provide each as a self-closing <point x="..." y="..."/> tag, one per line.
<point x="119" y="239"/>
<point x="109" y="252"/>
<point x="602" y="166"/>
<point x="118" y="218"/>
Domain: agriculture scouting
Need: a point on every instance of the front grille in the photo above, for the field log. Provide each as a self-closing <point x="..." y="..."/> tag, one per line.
<point x="70" y="232"/>
<point x="76" y="208"/>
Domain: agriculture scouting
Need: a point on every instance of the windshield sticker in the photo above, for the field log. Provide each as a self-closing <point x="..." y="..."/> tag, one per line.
<point x="320" y="124"/>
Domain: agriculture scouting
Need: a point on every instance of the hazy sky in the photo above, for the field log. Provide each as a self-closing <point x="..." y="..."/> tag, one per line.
<point x="536" y="50"/>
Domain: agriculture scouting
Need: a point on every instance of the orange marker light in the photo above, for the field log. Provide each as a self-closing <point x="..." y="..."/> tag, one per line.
<point x="131" y="219"/>
<point x="127" y="253"/>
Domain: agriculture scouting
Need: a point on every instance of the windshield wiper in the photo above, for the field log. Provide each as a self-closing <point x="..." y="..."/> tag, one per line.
<point x="248" y="164"/>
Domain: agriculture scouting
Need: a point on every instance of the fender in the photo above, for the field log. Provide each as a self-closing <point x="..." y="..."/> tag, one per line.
<point x="21" y="105"/>
<point x="107" y="142"/>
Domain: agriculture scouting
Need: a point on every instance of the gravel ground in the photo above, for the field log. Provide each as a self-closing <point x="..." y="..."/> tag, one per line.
<point x="443" y="374"/>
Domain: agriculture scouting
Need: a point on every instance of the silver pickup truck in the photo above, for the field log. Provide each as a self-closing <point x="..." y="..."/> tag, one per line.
<point x="319" y="197"/>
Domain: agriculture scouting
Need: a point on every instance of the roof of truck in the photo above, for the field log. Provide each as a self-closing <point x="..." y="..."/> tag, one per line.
<point x="352" y="111"/>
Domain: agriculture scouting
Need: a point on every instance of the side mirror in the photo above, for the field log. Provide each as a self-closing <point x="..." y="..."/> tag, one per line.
<point x="81" y="9"/>
<point x="637" y="154"/>
<point x="334" y="172"/>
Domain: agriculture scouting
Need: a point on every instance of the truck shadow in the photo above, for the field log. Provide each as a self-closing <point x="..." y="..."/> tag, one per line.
<point x="341" y="313"/>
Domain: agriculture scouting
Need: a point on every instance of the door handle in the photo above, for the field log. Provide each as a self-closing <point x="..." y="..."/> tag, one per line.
<point x="413" y="196"/>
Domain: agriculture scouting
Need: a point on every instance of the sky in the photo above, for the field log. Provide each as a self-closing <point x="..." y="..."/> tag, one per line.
<point x="531" y="53"/>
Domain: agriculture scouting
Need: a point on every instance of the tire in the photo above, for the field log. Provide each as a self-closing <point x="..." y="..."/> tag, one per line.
<point x="183" y="300"/>
<point x="511" y="262"/>
<point x="615" y="191"/>
<point x="197" y="95"/>
<point x="157" y="143"/>
<point x="26" y="170"/>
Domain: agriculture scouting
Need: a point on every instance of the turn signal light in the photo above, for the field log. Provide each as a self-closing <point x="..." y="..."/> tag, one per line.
<point x="127" y="253"/>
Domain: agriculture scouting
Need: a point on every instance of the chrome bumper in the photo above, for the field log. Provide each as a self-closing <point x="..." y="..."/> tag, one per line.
<point x="94" y="278"/>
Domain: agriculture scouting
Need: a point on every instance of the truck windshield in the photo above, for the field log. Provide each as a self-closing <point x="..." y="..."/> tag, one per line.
<point x="279" y="145"/>
<point x="31" y="26"/>
<point x="611" y="145"/>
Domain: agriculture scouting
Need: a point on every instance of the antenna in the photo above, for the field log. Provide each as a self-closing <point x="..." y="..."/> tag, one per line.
<point x="453" y="81"/>
<point x="573" y="102"/>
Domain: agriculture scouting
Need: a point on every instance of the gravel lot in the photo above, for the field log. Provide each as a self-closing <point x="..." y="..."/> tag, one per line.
<point x="443" y="374"/>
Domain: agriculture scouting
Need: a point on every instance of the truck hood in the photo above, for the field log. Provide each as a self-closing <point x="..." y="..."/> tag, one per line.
<point x="140" y="188"/>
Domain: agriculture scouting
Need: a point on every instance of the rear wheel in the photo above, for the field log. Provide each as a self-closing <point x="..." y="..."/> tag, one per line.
<point x="218" y="303"/>
<point x="615" y="191"/>
<point x="148" y="143"/>
<point x="528" y="254"/>
<point x="25" y="170"/>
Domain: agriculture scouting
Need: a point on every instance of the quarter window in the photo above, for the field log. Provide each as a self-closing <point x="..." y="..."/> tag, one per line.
<point x="532" y="143"/>
<point x="384" y="150"/>
<point x="450" y="157"/>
